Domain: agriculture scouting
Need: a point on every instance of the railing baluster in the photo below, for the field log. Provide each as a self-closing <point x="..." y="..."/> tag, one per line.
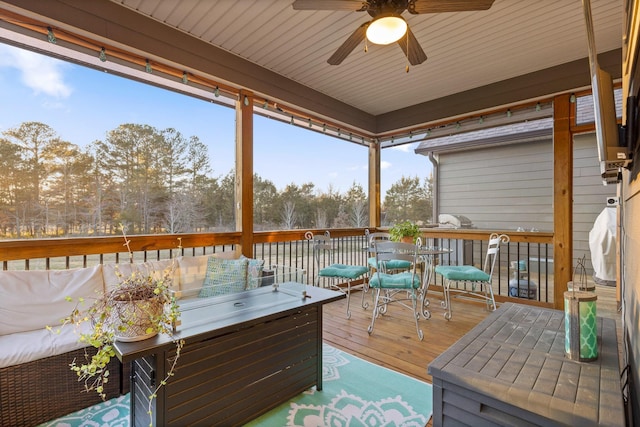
<point x="297" y="253"/>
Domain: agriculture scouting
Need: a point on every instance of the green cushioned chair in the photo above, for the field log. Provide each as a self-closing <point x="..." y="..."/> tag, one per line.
<point x="336" y="273"/>
<point x="381" y="236"/>
<point x="399" y="287"/>
<point x="471" y="280"/>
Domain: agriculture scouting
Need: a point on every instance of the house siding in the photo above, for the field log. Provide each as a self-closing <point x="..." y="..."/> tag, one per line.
<point x="502" y="187"/>
<point x="589" y="194"/>
<point x="511" y="186"/>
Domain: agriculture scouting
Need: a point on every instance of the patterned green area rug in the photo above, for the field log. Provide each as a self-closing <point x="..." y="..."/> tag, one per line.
<point x="355" y="393"/>
<point x="112" y="413"/>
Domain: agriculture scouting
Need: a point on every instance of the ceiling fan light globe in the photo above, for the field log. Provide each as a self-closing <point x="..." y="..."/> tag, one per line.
<point x="386" y="29"/>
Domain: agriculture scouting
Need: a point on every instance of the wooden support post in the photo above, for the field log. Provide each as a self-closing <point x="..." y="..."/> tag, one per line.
<point x="374" y="184"/>
<point x="244" y="171"/>
<point x="562" y="198"/>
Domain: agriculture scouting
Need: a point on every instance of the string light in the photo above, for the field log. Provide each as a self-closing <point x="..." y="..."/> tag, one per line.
<point x="481" y="120"/>
<point x="50" y="36"/>
<point x="572" y="98"/>
<point x="509" y="113"/>
<point x="458" y="125"/>
<point x="538" y="107"/>
<point x="70" y="37"/>
<point x="246" y="100"/>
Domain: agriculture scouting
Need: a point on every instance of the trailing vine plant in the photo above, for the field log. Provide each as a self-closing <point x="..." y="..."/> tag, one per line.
<point x="111" y="315"/>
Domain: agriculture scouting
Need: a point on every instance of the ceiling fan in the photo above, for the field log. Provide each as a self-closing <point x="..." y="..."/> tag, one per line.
<point x="387" y="25"/>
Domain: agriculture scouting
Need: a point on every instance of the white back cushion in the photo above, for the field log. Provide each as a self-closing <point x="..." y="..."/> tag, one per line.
<point x="154" y="268"/>
<point x="192" y="272"/>
<point x="193" y="269"/>
<point x="31" y="300"/>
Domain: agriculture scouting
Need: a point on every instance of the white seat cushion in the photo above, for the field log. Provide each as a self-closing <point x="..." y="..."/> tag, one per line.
<point x="28" y="346"/>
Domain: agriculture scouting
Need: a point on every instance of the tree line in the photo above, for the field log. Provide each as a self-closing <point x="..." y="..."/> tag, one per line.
<point x="160" y="181"/>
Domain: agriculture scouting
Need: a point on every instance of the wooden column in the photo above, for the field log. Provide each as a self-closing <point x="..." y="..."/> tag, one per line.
<point x="244" y="171"/>
<point x="562" y="198"/>
<point x="374" y="184"/>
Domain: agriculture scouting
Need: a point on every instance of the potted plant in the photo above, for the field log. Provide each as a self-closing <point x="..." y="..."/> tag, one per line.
<point x="139" y="307"/>
<point x="405" y="231"/>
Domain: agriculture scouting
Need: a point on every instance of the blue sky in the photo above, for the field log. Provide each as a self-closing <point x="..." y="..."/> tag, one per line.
<point x="82" y="104"/>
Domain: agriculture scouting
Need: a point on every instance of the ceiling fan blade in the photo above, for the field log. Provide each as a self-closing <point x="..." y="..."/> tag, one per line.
<point x="413" y="52"/>
<point x="349" y="44"/>
<point x="439" y="6"/>
<point x="353" y="5"/>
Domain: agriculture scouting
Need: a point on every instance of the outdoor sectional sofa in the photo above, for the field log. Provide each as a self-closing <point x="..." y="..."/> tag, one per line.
<point x="36" y="384"/>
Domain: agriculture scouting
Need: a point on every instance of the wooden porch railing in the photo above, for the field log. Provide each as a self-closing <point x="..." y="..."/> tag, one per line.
<point x="290" y="249"/>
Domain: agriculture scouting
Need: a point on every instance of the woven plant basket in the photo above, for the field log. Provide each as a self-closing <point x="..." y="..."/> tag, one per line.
<point x="135" y="320"/>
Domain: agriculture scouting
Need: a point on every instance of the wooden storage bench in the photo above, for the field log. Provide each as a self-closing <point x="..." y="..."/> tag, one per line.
<point x="511" y="370"/>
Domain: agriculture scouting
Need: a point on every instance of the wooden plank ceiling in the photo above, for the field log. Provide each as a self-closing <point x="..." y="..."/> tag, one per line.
<point x="518" y="50"/>
<point x="465" y="50"/>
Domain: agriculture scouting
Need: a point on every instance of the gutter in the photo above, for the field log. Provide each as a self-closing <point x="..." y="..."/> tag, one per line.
<point x="436" y="188"/>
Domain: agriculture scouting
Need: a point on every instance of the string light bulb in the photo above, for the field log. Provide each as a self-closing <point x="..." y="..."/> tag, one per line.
<point x="509" y="113"/>
<point x="50" y="36"/>
<point x="572" y="98"/>
<point x="246" y="100"/>
<point x="148" y="68"/>
<point x="185" y="77"/>
<point x="102" y="55"/>
<point x="216" y="92"/>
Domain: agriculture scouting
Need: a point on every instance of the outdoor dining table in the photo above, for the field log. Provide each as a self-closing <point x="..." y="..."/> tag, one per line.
<point x="428" y="256"/>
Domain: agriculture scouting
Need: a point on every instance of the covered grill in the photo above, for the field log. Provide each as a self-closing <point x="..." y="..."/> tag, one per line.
<point x="454" y="221"/>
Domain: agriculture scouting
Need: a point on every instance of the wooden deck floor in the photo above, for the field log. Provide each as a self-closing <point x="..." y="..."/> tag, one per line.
<point x="394" y="342"/>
